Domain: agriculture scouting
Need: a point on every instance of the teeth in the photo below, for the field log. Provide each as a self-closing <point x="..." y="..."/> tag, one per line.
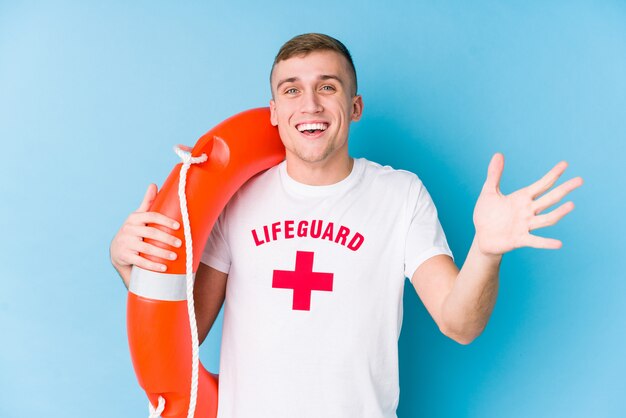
<point x="312" y="127"/>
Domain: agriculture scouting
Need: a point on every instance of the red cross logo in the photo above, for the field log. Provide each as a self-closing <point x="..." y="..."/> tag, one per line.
<point x="303" y="280"/>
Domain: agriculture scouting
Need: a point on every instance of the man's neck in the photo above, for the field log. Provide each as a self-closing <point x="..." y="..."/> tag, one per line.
<point x="322" y="173"/>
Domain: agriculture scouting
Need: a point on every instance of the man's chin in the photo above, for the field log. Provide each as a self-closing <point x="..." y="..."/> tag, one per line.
<point x="311" y="158"/>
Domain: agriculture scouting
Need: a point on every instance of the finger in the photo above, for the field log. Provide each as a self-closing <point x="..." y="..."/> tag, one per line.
<point x="556" y="195"/>
<point x="153" y="250"/>
<point x="148" y="198"/>
<point x="494" y="172"/>
<point x="146" y="264"/>
<point x="547" y="180"/>
<point x="154" y="234"/>
<point x="551" y="218"/>
<point x="143" y="218"/>
<point x="541" y="242"/>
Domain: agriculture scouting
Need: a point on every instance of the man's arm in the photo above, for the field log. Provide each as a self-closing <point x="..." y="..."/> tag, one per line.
<point x="209" y="292"/>
<point x="461" y="302"/>
<point x="210" y="284"/>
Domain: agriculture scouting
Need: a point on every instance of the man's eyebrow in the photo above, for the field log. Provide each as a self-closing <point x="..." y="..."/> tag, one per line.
<point x="286" y="80"/>
<point x="331" y="77"/>
<point x="322" y="77"/>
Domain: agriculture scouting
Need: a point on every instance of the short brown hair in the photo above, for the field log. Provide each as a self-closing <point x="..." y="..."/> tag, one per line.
<point x="309" y="42"/>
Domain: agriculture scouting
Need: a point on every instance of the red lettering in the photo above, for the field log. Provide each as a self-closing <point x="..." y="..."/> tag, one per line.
<point x="328" y="232"/>
<point x="317" y="228"/>
<point x="275" y="230"/>
<point x="288" y="229"/>
<point x="342" y="235"/>
<point x="257" y="241"/>
<point x="303" y="227"/>
<point x="267" y="233"/>
<point x="313" y="233"/>
<point x="356" y="241"/>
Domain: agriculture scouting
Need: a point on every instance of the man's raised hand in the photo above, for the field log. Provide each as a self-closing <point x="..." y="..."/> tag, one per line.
<point x="503" y="222"/>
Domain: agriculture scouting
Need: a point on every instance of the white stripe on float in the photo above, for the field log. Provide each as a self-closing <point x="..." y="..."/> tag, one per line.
<point x="158" y="286"/>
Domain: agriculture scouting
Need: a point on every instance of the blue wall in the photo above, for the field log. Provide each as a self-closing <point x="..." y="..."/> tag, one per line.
<point x="92" y="97"/>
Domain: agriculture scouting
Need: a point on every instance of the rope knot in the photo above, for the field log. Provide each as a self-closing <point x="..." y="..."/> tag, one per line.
<point x="185" y="155"/>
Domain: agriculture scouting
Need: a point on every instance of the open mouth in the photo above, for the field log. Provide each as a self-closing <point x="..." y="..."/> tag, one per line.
<point x="312" y="129"/>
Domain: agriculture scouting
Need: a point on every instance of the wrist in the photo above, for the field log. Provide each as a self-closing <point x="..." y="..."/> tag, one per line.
<point x="123" y="271"/>
<point x="485" y="252"/>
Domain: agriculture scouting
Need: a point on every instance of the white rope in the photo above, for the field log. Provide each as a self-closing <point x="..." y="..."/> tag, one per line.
<point x="156" y="413"/>
<point x="195" y="350"/>
<point x="182" y="197"/>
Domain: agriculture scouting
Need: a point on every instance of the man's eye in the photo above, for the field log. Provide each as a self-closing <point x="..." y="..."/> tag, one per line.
<point x="292" y="90"/>
<point x="328" y="88"/>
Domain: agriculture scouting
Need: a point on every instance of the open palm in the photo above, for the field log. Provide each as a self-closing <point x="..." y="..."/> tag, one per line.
<point x="503" y="222"/>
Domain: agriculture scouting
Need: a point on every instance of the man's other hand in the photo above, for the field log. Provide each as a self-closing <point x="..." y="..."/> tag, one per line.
<point x="129" y="240"/>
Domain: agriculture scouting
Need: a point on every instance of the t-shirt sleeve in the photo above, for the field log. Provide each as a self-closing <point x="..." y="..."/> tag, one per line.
<point x="425" y="237"/>
<point x="216" y="252"/>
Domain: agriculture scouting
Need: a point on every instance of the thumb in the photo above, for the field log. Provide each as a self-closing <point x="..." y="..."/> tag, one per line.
<point x="148" y="198"/>
<point x="494" y="172"/>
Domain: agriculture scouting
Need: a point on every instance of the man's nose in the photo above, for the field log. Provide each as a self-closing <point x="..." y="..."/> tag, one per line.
<point x="311" y="103"/>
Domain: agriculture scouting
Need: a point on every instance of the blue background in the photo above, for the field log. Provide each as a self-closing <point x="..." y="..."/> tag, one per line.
<point x="93" y="96"/>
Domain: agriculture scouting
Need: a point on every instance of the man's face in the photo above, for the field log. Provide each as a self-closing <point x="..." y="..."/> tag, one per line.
<point x="313" y="105"/>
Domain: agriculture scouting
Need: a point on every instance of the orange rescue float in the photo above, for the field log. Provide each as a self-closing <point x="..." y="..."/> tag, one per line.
<point x="157" y="317"/>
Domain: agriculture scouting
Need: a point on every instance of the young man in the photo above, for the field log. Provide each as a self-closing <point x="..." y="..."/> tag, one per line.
<point x="310" y="257"/>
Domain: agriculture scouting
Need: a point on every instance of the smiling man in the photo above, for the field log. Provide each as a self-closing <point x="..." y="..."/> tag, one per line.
<point x="314" y="101"/>
<point x="310" y="257"/>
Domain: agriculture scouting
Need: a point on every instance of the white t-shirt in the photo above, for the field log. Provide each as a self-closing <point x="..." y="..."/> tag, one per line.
<point x="313" y="305"/>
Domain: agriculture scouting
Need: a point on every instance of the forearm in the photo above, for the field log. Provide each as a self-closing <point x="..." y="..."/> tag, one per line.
<point x="122" y="270"/>
<point x="468" y="306"/>
<point x="124" y="273"/>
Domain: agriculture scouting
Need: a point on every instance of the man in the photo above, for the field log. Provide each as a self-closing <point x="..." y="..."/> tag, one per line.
<point x="310" y="257"/>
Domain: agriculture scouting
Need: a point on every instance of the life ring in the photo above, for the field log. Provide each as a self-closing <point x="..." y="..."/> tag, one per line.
<point x="157" y="311"/>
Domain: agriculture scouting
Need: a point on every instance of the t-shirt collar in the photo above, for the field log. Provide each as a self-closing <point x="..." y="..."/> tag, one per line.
<point x="302" y="189"/>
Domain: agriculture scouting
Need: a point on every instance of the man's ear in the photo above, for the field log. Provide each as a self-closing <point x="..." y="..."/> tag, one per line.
<point x="357" y="107"/>
<point x="273" y="116"/>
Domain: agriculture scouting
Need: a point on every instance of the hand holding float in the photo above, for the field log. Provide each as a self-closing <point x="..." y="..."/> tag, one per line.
<point x="160" y="307"/>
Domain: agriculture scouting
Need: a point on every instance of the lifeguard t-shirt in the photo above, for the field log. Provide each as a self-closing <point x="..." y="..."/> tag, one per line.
<point x="313" y="305"/>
